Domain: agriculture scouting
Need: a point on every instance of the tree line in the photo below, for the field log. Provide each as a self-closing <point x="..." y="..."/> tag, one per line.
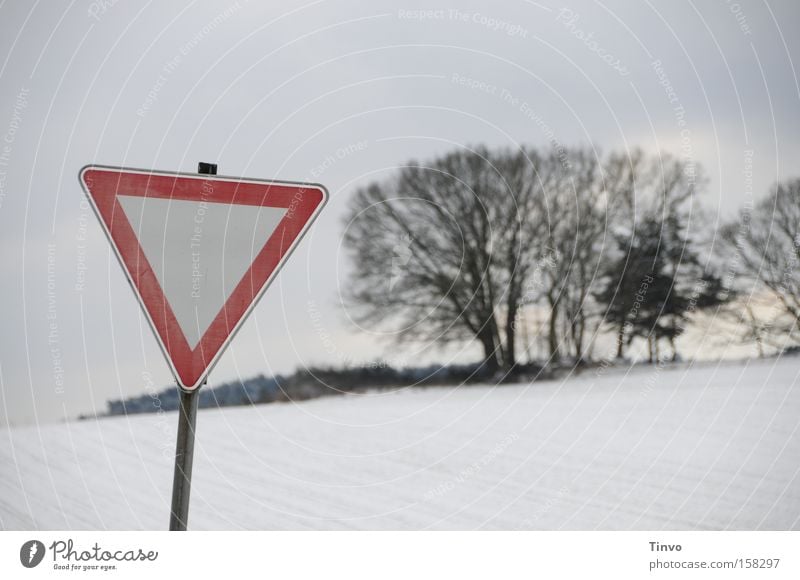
<point x="303" y="384"/>
<point x="498" y="245"/>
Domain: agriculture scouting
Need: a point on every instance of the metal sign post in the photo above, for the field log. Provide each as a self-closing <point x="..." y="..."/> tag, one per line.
<point x="184" y="453"/>
<point x="184" y="446"/>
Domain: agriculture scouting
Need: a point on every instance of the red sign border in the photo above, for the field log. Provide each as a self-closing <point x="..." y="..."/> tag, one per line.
<point x="182" y="360"/>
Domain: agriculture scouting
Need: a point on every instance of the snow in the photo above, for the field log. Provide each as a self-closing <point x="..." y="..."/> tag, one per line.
<point x="709" y="446"/>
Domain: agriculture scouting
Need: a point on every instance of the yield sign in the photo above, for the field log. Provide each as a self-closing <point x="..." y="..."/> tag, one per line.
<point x="199" y="250"/>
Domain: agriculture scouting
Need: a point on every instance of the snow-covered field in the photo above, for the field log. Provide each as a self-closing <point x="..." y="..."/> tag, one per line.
<point x="712" y="447"/>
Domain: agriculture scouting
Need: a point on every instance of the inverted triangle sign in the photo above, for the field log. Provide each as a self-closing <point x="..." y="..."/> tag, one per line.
<point x="199" y="250"/>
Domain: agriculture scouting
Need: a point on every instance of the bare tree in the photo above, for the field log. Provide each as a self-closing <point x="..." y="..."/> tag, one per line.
<point x="442" y="250"/>
<point x="593" y="213"/>
<point x="574" y="205"/>
<point x="764" y="247"/>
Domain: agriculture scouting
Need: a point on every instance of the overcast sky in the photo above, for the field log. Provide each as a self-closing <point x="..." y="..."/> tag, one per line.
<point x="340" y="93"/>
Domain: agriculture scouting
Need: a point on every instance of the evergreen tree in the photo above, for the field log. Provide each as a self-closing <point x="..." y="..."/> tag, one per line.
<point x="629" y="284"/>
<point x="654" y="285"/>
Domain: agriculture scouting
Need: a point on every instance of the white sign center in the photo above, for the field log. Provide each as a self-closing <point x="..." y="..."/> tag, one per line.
<point x="195" y="251"/>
